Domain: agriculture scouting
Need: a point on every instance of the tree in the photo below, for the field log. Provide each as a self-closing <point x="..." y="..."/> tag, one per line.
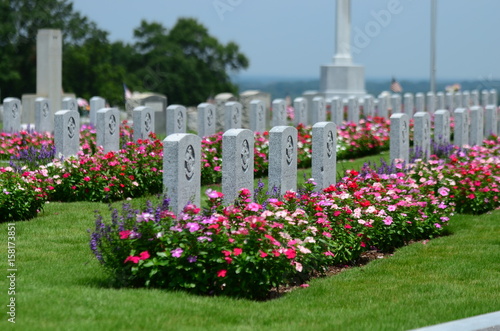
<point x="186" y="63"/>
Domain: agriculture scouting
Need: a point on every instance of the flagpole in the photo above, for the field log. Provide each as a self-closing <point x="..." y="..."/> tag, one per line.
<point x="433" y="45"/>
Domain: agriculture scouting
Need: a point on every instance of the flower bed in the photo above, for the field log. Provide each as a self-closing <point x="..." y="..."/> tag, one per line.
<point x="247" y="248"/>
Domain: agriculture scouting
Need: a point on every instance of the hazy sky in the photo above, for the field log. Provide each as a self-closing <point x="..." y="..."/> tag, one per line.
<point x="293" y="38"/>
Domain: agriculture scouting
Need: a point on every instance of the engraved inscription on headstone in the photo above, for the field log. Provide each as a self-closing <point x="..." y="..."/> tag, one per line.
<point x="189" y="162"/>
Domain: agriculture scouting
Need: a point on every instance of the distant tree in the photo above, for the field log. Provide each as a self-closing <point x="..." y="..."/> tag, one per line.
<point x="186" y="63"/>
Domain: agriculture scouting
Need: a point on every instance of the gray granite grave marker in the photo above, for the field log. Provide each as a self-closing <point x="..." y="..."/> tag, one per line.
<point x="490" y="120"/>
<point x="337" y="110"/>
<point x="283" y="159"/>
<point x="318" y="110"/>
<point x="419" y="102"/>
<point x="257" y="116"/>
<point x="408" y="104"/>
<point x="232" y="115"/>
<point x="431" y="102"/>
<point x="353" y="110"/>
<point x="461" y="131"/>
<point x="96" y="103"/>
<point x="69" y="103"/>
<point x="108" y="129"/>
<point x="442" y="127"/>
<point x="11" y="115"/>
<point x="396" y="103"/>
<point x="476" y="126"/>
<point x="466" y="99"/>
<point x="279" y="112"/>
<point x="485" y="97"/>
<point x="368" y="106"/>
<point x="383" y="107"/>
<point x="422" y="135"/>
<point x="493" y="97"/>
<point x="182" y="170"/>
<point x="237" y="162"/>
<point x="206" y="119"/>
<point x="474" y="95"/>
<point x="300" y="108"/>
<point x="449" y="99"/>
<point x="43" y="115"/>
<point x="400" y="137"/>
<point x="176" y="119"/>
<point x="324" y="154"/>
<point x="66" y="132"/>
<point x="440" y="101"/>
<point x="144" y="119"/>
<point x="458" y="100"/>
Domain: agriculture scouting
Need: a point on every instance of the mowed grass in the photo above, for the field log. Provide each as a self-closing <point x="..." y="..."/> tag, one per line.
<point x="60" y="285"/>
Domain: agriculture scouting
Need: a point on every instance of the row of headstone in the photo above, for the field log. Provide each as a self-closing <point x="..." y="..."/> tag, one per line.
<point x="471" y="127"/>
<point x="182" y="157"/>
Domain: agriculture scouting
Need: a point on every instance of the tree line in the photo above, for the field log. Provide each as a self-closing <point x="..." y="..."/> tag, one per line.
<point x="184" y="62"/>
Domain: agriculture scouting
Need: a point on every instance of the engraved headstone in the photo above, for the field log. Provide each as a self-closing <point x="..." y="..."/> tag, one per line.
<point x="237" y="162"/>
<point x="158" y="103"/>
<point x="474" y="95"/>
<point x="368" y="106"/>
<point x="383" y="107"/>
<point x="485" y="97"/>
<point x="182" y="170"/>
<point x="442" y="127"/>
<point x="422" y="135"/>
<point x="353" y="110"/>
<point x="318" y="110"/>
<point x="43" y="115"/>
<point x="400" y="137"/>
<point x="461" y="131"/>
<point x="440" y="103"/>
<point x="279" y="112"/>
<point x="69" y="103"/>
<point x="66" y="132"/>
<point x="431" y="102"/>
<point x="466" y="99"/>
<point x="309" y="96"/>
<point x="337" y="110"/>
<point x="283" y="159"/>
<point x="408" y="104"/>
<point x="206" y="119"/>
<point x="232" y="115"/>
<point x="490" y="120"/>
<point x="493" y="97"/>
<point x="96" y="103"/>
<point x="11" y="115"/>
<point x="396" y="103"/>
<point x="324" y="154"/>
<point x="144" y="119"/>
<point x="108" y="129"/>
<point x="458" y="100"/>
<point x="476" y="126"/>
<point x="176" y="119"/>
<point x="300" y="108"/>
<point x="419" y="102"/>
<point x="257" y="116"/>
<point x="449" y="101"/>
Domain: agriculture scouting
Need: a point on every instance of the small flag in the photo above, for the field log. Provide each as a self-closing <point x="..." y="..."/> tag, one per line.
<point x="395" y="86"/>
<point x="128" y="94"/>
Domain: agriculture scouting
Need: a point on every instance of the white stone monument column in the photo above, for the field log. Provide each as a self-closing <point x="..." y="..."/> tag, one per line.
<point x="342" y="78"/>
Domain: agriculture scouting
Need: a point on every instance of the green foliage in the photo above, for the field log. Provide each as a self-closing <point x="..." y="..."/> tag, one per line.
<point x="185" y="63"/>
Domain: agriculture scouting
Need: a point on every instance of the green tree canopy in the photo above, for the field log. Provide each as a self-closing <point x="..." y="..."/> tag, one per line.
<point x="186" y="63"/>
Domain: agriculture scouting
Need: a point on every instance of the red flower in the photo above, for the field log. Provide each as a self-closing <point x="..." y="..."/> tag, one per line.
<point x="221" y="273"/>
<point x="290" y="253"/>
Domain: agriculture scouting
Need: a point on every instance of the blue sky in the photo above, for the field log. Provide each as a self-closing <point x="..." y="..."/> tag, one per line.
<point x="293" y="38"/>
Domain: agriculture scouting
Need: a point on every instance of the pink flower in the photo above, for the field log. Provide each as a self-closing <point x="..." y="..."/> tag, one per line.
<point x="298" y="266"/>
<point x="144" y="217"/>
<point x="144" y="255"/>
<point x="290" y="253"/>
<point x="177" y="252"/>
<point x="253" y="206"/>
<point x="86" y="178"/>
<point x="106" y="189"/>
<point x="133" y="259"/>
<point x="437" y="225"/>
<point x="263" y="254"/>
<point x="125" y="234"/>
<point x="328" y="253"/>
<point x="228" y="260"/>
<point x="444" y="191"/>
<point x="471" y="196"/>
<point x="388" y="220"/>
<point x="391" y="208"/>
<point x="192" y="226"/>
<point x="212" y="194"/>
<point x="221" y="273"/>
<point x="237" y="251"/>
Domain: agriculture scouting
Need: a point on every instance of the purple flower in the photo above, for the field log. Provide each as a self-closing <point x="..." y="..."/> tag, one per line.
<point x="192" y="259"/>
<point x="203" y="238"/>
<point x="176" y="252"/>
<point x="144" y="217"/>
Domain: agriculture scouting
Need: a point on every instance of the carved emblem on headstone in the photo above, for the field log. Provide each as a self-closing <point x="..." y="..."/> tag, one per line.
<point x="210" y="117"/>
<point x="14" y="110"/>
<point x="147" y="122"/>
<point x="289" y="150"/>
<point x="404" y="131"/>
<point x="329" y="144"/>
<point x="71" y="127"/>
<point x="245" y="155"/>
<point x="112" y="124"/>
<point x="180" y="119"/>
<point x="236" y="115"/>
<point x="45" y="109"/>
<point x="189" y="162"/>
<point x="260" y="112"/>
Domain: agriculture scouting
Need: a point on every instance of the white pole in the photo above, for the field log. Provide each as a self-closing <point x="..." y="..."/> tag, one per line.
<point x="433" y="45"/>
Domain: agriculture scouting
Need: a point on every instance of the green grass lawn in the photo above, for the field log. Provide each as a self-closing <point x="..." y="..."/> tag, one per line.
<point x="60" y="285"/>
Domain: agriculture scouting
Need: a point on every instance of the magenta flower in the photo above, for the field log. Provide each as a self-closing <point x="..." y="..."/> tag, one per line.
<point x="177" y="252"/>
<point x="388" y="220"/>
<point x="192" y="259"/>
<point x="252" y="206"/>
<point x="144" y="217"/>
<point x="444" y="191"/>
<point x="192" y="226"/>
